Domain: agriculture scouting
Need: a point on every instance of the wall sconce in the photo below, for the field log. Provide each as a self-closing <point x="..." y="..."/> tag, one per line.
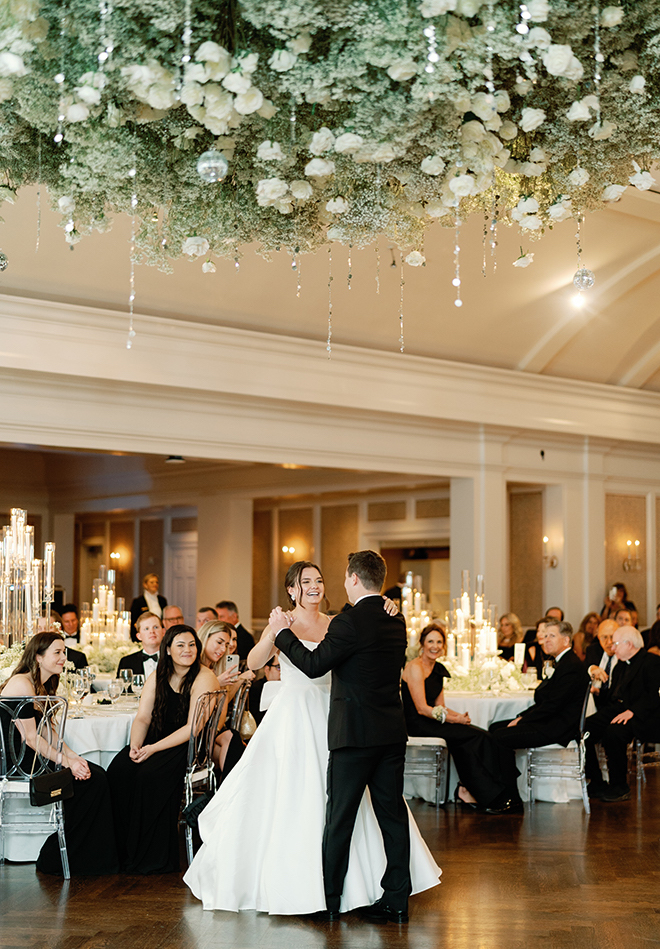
<point x="632" y="563"/>
<point x="288" y="550"/>
<point x="115" y="555"/>
<point x="549" y="560"/>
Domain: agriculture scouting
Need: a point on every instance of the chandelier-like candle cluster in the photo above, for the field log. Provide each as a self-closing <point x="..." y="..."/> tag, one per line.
<point x="107" y="619"/>
<point x="26" y="583"/>
<point x="413" y="607"/>
<point x="472" y="634"/>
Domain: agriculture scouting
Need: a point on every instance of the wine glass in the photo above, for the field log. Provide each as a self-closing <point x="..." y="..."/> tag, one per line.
<point x="138" y="683"/>
<point x="126" y="677"/>
<point x="79" y="687"/>
<point x="115" y="688"/>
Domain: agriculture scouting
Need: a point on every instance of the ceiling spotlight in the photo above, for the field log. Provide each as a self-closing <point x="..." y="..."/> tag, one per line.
<point x="578" y="301"/>
<point x="175" y="460"/>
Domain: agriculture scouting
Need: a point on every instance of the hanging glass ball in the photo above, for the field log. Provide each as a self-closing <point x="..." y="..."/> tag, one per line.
<point x="584" y="279"/>
<point x="4" y="261"/>
<point x="212" y="166"/>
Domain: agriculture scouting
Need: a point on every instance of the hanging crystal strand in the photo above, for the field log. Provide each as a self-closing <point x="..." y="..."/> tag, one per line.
<point x="36" y="249"/>
<point x="328" y="345"/>
<point x="299" y="273"/>
<point x="237" y="263"/>
<point x="483" y="243"/>
<point x="350" y="265"/>
<point x="186" y="39"/>
<point x="60" y="77"/>
<point x="493" y="226"/>
<point x="292" y="120"/>
<point x="431" y="53"/>
<point x="583" y="278"/>
<point x="105" y="36"/>
<point x="295" y="266"/>
<point x="377" y="267"/>
<point x="402" y="343"/>
<point x="598" y="56"/>
<point x="525" y="15"/>
<point x="131" y="294"/>
<point x="457" y="260"/>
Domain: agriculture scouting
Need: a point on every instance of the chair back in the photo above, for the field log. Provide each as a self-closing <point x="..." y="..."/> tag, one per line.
<point x="206" y="715"/>
<point x="240" y="701"/>
<point x="583" y="713"/>
<point x="17" y="761"/>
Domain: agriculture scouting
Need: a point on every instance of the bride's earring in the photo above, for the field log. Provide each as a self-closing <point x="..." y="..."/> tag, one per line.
<point x="293" y="596"/>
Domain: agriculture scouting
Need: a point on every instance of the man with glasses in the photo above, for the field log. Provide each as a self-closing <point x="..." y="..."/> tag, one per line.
<point x="632" y="712"/>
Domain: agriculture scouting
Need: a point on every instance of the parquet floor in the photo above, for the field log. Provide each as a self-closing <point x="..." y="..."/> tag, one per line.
<point x="552" y="880"/>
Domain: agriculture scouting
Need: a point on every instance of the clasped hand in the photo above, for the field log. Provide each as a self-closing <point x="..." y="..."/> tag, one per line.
<point x="138" y="755"/>
<point x="279" y="619"/>
<point x="79" y="768"/>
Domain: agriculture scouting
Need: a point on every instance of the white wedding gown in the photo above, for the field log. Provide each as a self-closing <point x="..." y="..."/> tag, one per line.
<point x="262" y="831"/>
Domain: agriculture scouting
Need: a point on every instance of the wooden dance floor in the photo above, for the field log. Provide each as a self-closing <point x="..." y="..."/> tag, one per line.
<point x="553" y="879"/>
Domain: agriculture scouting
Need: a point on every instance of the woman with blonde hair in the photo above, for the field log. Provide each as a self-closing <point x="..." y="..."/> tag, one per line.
<point x="509" y="633"/>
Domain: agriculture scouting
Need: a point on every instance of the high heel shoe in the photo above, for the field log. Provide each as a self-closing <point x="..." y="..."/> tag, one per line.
<point x="459" y="802"/>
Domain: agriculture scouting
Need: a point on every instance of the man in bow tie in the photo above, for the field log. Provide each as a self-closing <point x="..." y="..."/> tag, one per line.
<point x="554" y="718"/>
<point x="150" y="633"/>
<point x="632" y="712"/>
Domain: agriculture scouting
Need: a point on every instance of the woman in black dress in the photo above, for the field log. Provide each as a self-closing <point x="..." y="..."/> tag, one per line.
<point x="146" y="778"/>
<point x="487" y="776"/>
<point x="88" y="824"/>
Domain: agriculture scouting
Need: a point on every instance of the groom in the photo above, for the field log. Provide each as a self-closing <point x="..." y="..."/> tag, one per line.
<point x="365" y="648"/>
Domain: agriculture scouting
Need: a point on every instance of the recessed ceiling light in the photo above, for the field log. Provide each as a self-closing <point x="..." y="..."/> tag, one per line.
<point x="175" y="460"/>
<point x="578" y="301"/>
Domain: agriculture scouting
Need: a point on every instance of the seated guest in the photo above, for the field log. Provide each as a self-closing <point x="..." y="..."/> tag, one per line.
<point x="228" y="612"/>
<point x="647" y="632"/>
<point x="555" y="612"/>
<point x="654" y="639"/>
<point x="146" y="778"/>
<point x="535" y="658"/>
<point x="632" y="712"/>
<point x="78" y="658"/>
<point x="271" y="674"/>
<point x="149" y="632"/>
<point x="510" y="632"/>
<point x="586" y="634"/>
<point x="173" y="616"/>
<point x="623" y="617"/>
<point x="70" y="621"/>
<point x="600" y="672"/>
<point x="554" y="718"/>
<point x="487" y="772"/>
<point x="618" y="602"/>
<point x="88" y="821"/>
<point x="149" y="602"/>
<point x="205" y="614"/>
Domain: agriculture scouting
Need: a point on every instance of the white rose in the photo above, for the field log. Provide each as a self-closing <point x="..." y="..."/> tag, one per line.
<point x="77" y="112"/>
<point x="208" y="267"/>
<point x="192" y="93"/>
<point x="161" y="96"/>
<point x="531" y="119"/>
<point x="602" y="130"/>
<point x="198" y="72"/>
<point x="282" y="60"/>
<point x="195" y="246"/>
<point x="319" y="168"/>
<point x="247" y="62"/>
<point x="578" y="177"/>
<point x="236" y="82"/>
<point x="508" y="131"/>
<point x="523" y="86"/>
<point x="524" y="260"/>
<point x="468" y="8"/>
<point x="436" y="7"/>
<point x="642" y="180"/>
<point x="524" y="206"/>
<point x="483" y="106"/>
<point x="560" y="61"/>
<point x="637" y="84"/>
<point x="248" y="102"/>
<point x="210" y="52"/>
<point x="538" y="10"/>
<point x="472" y="131"/>
<point x="301" y="190"/>
<point x="415" y="259"/>
<point x="322" y="141"/>
<point x="613" y="192"/>
<point x="539" y="38"/>
<point x="301" y="43"/>
<point x="611" y="16"/>
<point x="462" y="185"/>
<point x="433" y="165"/>
<point x="267" y="110"/>
<point x="337" y="206"/>
<point x="270" y="190"/>
<point x="11" y="65"/>
<point x="560" y="211"/>
<point x="88" y="94"/>
<point x="578" y="112"/>
<point x="378" y="153"/>
<point x="402" y="71"/>
<point x="6" y="90"/>
<point x="532" y="169"/>
<point x="270" y="151"/>
<point x="66" y="205"/>
<point x="531" y="222"/>
<point x="284" y="207"/>
<point x="348" y="142"/>
<point x="502" y="100"/>
<point x="218" y="103"/>
<point x="436" y="208"/>
<point x="537" y="154"/>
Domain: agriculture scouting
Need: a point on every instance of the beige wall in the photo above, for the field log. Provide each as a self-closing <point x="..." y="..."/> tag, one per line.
<point x="339" y="538"/>
<point x="526" y="555"/>
<point x="625" y="519"/>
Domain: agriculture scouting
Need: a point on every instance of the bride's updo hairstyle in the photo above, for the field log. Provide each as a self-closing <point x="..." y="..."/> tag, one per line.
<point x="293" y="579"/>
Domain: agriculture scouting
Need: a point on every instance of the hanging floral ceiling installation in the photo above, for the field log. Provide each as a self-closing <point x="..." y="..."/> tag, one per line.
<point x="325" y="120"/>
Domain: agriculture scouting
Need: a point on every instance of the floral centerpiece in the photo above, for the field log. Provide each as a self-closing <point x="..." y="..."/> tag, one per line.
<point x="292" y="123"/>
<point x="487" y="674"/>
<point x="105" y="658"/>
<point x="9" y="656"/>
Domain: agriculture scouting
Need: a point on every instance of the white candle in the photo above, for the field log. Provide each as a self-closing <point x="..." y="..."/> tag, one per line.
<point x="418" y="602"/>
<point x="492" y="640"/>
<point x="103" y="597"/>
<point x="479" y="610"/>
<point x="519" y="654"/>
<point x="460" y="621"/>
<point x="95" y="611"/>
<point x="465" y="655"/>
<point x="49" y="578"/>
<point x="451" y="646"/>
<point x="110" y="607"/>
<point x="85" y="632"/>
<point x="465" y="603"/>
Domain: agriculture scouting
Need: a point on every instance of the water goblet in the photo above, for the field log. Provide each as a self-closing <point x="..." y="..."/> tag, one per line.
<point x="138" y="683"/>
<point x="115" y="688"/>
<point x="79" y="688"/>
<point x="126" y="677"/>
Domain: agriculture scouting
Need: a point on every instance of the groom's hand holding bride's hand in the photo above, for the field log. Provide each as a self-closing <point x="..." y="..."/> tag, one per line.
<point x="278" y="620"/>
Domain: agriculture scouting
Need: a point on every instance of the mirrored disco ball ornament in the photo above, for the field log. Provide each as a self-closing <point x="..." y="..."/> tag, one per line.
<point x="584" y="279"/>
<point x="4" y="261"/>
<point x="212" y="166"/>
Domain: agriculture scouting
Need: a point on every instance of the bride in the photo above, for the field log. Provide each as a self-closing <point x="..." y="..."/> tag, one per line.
<point x="262" y="832"/>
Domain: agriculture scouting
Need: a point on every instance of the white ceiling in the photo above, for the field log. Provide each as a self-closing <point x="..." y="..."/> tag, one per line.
<point x="514" y="318"/>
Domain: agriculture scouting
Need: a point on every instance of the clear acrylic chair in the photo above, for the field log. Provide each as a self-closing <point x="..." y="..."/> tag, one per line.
<point x="200" y="775"/>
<point x="427" y="757"/>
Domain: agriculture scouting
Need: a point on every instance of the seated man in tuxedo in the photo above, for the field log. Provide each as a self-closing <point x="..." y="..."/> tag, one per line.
<point x="554" y="718"/>
<point x="151" y="601"/>
<point x="632" y="712"/>
<point x="173" y="616"/>
<point x="150" y="633"/>
<point x="79" y="659"/>
<point x="600" y="662"/>
<point x="228" y="613"/>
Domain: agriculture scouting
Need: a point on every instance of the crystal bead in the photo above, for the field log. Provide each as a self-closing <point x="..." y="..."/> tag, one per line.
<point x="584" y="279"/>
<point x="212" y="166"/>
<point x="4" y="261"/>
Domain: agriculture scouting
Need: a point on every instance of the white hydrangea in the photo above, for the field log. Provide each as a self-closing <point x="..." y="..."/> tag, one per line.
<point x="270" y="151"/>
<point x="337" y="206"/>
<point x="282" y="60"/>
<point x="581" y="109"/>
<point x="270" y="190"/>
<point x="433" y="165"/>
<point x="402" y="71"/>
<point x="611" y="16"/>
<point x="301" y="190"/>
<point x="613" y="192"/>
<point x="524" y="206"/>
<point x="216" y="55"/>
<point x="539" y="38"/>
<point x="436" y="208"/>
<point x="192" y="93"/>
<point x="195" y="247"/>
<point x="348" y="142"/>
<point x="319" y="168"/>
<point x="531" y="119"/>
<point x="415" y="259"/>
<point x="531" y="222"/>
<point x="502" y="100"/>
<point x="322" y="141"/>
<point x="508" y="131"/>
<point x="162" y="96"/>
<point x="66" y="205"/>
<point x="6" y="90"/>
<point x="88" y="94"/>
<point x="483" y="106"/>
<point x="468" y="8"/>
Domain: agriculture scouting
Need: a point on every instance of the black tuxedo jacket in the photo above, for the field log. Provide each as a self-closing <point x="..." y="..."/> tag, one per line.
<point x="79" y="659"/>
<point x="140" y="605"/>
<point x="365" y="648"/>
<point x="558" y="700"/>
<point x="593" y="654"/>
<point x="635" y="686"/>
<point x="134" y="661"/>
<point x="244" y="640"/>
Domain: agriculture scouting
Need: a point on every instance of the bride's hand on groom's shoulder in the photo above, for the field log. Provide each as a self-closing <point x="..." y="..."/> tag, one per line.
<point x="390" y="606"/>
<point x="279" y="619"/>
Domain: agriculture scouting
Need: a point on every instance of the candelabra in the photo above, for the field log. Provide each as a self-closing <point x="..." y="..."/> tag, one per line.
<point x="107" y="619"/>
<point x="630" y="562"/>
<point x="471" y="634"/>
<point x="413" y="607"/>
<point x="26" y="584"/>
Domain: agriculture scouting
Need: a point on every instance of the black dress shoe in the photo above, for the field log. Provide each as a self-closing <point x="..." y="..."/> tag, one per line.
<point x="615" y="794"/>
<point x="324" y="916"/>
<point x="506" y="807"/>
<point x="597" y="790"/>
<point x="380" y="912"/>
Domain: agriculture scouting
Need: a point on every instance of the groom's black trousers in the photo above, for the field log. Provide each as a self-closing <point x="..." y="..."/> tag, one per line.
<point x="350" y="771"/>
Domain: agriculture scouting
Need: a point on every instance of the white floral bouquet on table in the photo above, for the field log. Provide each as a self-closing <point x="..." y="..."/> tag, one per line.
<point x="9" y="656"/>
<point x="106" y="658"/>
<point x="487" y="674"/>
<point x="325" y="120"/>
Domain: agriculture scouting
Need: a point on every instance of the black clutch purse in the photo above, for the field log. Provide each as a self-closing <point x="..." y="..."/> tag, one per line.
<point x="51" y="787"/>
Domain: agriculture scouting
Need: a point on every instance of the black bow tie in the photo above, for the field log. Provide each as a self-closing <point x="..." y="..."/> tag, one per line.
<point x="153" y="658"/>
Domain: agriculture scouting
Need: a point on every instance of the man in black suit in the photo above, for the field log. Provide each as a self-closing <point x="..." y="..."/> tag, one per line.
<point x="600" y="662"/>
<point x="554" y="718"/>
<point x="150" y="602"/>
<point x="150" y="633"/>
<point x="365" y="648"/>
<point x="632" y="712"/>
<point x="228" y="613"/>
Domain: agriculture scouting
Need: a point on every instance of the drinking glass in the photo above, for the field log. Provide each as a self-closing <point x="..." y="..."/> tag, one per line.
<point x="138" y="683"/>
<point x="126" y="677"/>
<point x="115" y="688"/>
<point x="79" y="686"/>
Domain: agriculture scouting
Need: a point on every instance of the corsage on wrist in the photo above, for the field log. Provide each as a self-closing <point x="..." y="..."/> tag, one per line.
<point x="440" y="714"/>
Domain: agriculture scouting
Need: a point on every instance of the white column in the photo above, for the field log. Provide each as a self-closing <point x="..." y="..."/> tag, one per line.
<point x="224" y="553"/>
<point x="64" y="526"/>
<point x="555" y="527"/>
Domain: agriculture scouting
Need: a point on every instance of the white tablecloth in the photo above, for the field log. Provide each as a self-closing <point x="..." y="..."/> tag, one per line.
<point x="484" y="709"/>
